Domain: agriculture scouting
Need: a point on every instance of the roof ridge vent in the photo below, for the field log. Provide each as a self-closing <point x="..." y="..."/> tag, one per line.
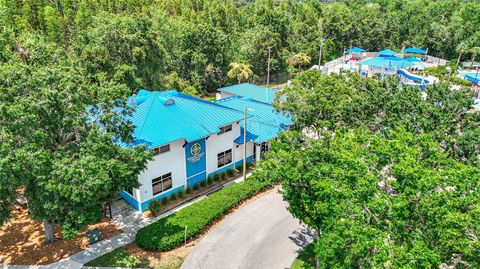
<point x="166" y="100"/>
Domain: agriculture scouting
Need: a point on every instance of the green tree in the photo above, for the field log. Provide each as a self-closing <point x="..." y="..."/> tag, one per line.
<point x="298" y="60"/>
<point x="239" y="71"/>
<point x="52" y="24"/>
<point x="319" y="103"/>
<point x="393" y="201"/>
<point x="121" y="47"/>
<point x="474" y="52"/>
<point x="59" y="138"/>
<point x="461" y="49"/>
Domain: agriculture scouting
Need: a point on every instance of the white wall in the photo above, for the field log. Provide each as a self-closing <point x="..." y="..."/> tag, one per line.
<point x="161" y="164"/>
<point x="221" y="95"/>
<point x="217" y="143"/>
<point x="238" y="152"/>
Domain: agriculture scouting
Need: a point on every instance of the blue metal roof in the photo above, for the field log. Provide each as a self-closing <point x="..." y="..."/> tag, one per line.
<point x="265" y="122"/>
<point x="257" y="93"/>
<point x="355" y="50"/>
<point x="415" y="50"/>
<point x="386" y="62"/>
<point x="162" y="117"/>
<point x="387" y="52"/>
<point x="412" y="60"/>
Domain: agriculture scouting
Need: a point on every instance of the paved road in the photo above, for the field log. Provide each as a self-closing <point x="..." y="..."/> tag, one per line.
<point x="260" y="235"/>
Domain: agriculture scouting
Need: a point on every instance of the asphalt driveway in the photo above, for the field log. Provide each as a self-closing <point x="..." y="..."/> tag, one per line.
<point x="262" y="234"/>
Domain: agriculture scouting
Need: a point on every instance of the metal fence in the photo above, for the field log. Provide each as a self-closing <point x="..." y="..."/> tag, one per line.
<point x="277" y="81"/>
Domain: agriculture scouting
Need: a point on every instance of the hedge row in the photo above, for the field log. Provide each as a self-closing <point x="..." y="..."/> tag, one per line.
<point x="168" y="233"/>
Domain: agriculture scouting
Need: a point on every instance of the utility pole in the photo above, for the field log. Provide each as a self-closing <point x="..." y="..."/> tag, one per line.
<point x="245" y="144"/>
<point x="268" y="66"/>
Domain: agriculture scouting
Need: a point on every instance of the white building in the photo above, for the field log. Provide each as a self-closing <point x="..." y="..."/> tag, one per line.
<point x="191" y="139"/>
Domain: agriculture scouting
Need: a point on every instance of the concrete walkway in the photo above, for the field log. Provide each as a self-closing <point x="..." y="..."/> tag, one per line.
<point x="262" y="234"/>
<point x="129" y="223"/>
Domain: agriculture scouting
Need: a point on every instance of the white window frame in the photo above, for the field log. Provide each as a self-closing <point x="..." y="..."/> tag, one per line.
<point x="160" y="180"/>
<point x="228" y="151"/>
<point x="223" y="129"/>
<point x="161" y="149"/>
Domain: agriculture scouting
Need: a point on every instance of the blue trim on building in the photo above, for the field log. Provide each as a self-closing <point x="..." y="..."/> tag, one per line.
<point x="197" y="178"/>
<point x="195" y="157"/>
<point x="160" y="196"/>
<point x="129" y="199"/>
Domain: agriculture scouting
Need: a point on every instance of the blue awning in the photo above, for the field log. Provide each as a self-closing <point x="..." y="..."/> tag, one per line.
<point x="415" y="50"/>
<point x="355" y="50"/>
<point x="386" y="62"/>
<point x="387" y="52"/>
<point x="412" y="60"/>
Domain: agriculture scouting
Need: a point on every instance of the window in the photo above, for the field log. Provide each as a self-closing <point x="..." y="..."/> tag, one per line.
<point x="224" y="158"/>
<point x="130" y="191"/>
<point x="264" y="147"/>
<point x="162" y="183"/>
<point x="225" y="129"/>
<point x="161" y="149"/>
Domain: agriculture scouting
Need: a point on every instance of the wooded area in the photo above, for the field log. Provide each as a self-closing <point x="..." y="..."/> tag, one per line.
<point x="161" y="44"/>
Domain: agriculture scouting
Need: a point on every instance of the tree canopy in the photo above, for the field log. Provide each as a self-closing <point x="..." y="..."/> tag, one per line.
<point x="140" y="42"/>
<point x="321" y="103"/>
<point x="380" y="202"/>
<point x="59" y="137"/>
<point x="386" y="175"/>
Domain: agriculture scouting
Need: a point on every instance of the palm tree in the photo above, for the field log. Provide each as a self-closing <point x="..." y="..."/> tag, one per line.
<point x="474" y="51"/>
<point x="461" y="49"/>
<point x="299" y="59"/>
<point x="240" y="71"/>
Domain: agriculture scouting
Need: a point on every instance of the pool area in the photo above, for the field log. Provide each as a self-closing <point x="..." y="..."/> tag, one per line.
<point x="462" y="74"/>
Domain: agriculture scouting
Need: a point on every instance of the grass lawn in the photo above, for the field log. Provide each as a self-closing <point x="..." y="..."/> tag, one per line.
<point x="118" y="258"/>
<point x="306" y="259"/>
<point x="131" y="256"/>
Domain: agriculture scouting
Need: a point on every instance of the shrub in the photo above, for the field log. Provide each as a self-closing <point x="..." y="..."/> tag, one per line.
<point x="460" y="81"/>
<point x="210" y="180"/>
<point x="167" y="233"/>
<point x="155" y="207"/>
<point x="165" y="201"/>
<point x="196" y="186"/>
<point x="188" y="190"/>
<point x="230" y="173"/>
<point x="203" y="184"/>
<point x="181" y="194"/>
<point x="174" y="196"/>
<point x="217" y="177"/>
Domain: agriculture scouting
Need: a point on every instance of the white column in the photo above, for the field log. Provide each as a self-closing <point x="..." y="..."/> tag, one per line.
<point x="257" y="153"/>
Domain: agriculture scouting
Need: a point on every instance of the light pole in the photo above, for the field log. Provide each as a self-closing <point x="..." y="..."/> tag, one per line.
<point x="268" y="65"/>
<point x="245" y="144"/>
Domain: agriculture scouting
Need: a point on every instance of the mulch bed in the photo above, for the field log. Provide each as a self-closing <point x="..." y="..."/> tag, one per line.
<point x="22" y="240"/>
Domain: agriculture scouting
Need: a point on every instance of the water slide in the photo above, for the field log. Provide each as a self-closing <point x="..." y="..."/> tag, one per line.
<point x="426" y="80"/>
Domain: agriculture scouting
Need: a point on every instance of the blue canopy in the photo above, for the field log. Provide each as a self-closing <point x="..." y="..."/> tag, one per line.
<point x="413" y="60"/>
<point x="355" y="50"/>
<point x="415" y="50"/>
<point x="387" y="52"/>
<point x="386" y="62"/>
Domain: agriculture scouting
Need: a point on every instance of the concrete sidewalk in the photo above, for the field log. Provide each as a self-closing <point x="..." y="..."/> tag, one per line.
<point x="130" y="226"/>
